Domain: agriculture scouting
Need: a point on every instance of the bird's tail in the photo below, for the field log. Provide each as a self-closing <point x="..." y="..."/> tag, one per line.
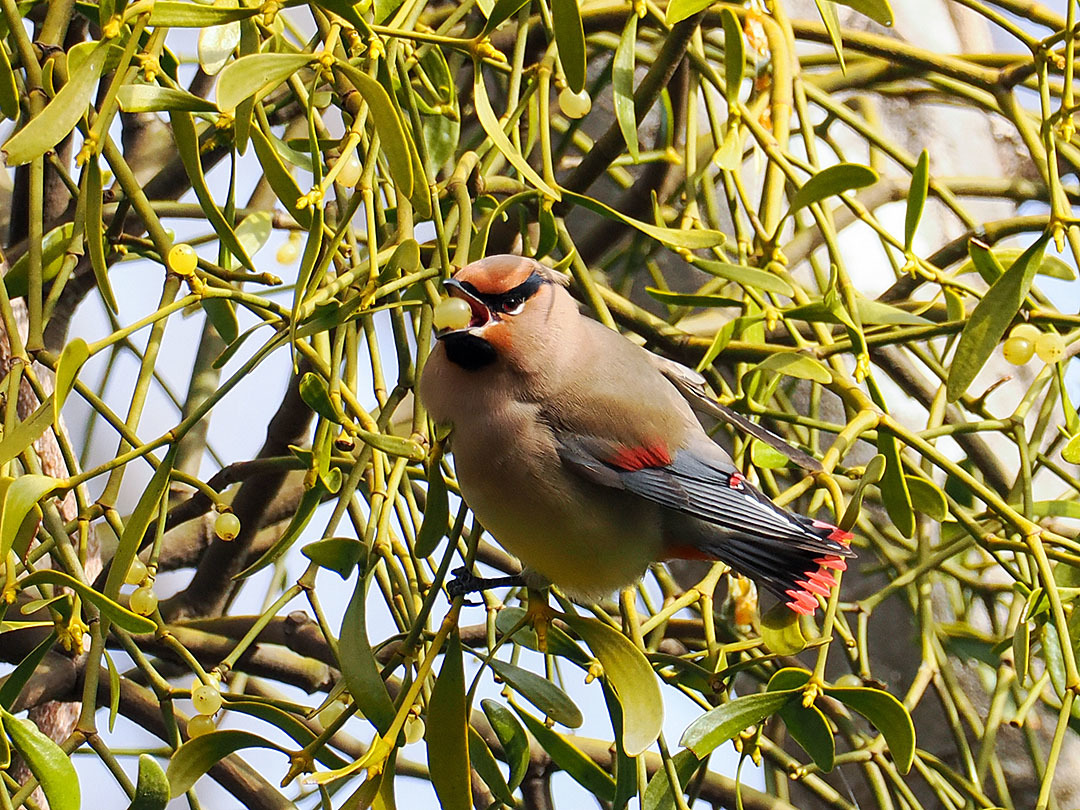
<point x="796" y="569"/>
<point x="796" y="565"/>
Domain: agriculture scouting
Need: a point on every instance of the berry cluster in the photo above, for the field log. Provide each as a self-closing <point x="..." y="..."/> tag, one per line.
<point x="1026" y="340"/>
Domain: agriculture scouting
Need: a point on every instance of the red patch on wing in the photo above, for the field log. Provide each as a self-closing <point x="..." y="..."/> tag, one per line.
<point x="736" y="480"/>
<point x="639" y="458"/>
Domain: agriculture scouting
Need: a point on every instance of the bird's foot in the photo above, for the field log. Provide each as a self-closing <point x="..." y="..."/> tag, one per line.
<point x="466" y="582"/>
<point x="539" y="614"/>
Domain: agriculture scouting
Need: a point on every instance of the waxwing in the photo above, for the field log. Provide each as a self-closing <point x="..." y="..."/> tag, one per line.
<point x="580" y="454"/>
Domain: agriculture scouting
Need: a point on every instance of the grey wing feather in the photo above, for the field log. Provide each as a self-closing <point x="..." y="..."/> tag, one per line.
<point x="692" y="386"/>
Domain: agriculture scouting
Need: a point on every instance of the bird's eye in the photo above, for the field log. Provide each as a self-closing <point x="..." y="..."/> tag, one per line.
<point x="513" y="304"/>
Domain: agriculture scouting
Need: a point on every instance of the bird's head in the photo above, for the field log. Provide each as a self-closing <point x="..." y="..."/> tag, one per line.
<point x="498" y="306"/>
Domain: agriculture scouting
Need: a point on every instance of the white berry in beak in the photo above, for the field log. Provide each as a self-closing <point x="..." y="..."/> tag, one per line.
<point x="452" y="313"/>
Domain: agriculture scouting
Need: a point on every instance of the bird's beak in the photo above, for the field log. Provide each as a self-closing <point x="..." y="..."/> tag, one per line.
<point x="481" y="314"/>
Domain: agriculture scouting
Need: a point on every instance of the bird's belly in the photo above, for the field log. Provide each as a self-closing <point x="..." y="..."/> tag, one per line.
<point x="586" y="539"/>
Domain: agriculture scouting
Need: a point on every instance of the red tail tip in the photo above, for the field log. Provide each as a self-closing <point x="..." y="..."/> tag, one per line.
<point x="835" y="563"/>
<point x="813" y="586"/>
<point x="801" y="602"/>
<point x="823" y="578"/>
<point x="835" y="534"/>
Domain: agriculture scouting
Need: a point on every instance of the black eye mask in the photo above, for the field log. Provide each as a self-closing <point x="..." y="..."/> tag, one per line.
<point x="510" y="300"/>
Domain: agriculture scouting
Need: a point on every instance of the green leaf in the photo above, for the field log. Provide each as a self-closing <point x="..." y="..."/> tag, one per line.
<point x="339" y="554"/>
<point x="9" y="91"/>
<point x="723" y="337"/>
<point x="144" y="98"/>
<point x="502" y="11"/>
<point x="746" y="276"/>
<point x="831" y="20"/>
<point x="808" y="726"/>
<point x="540" y="692"/>
<point x="317" y="397"/>
<point x="691" y="239"/>
<point x="74" y="354"/>
<point x="729" y="719"/>
<point x="630" y="676"/>
<point x="54" y="247"/>
<point x="622" y="86"/>
<point x="14" y="682"/>
<point x="1021" y="649"/>
<point x="926" y="498"/>
<point x="388" y="124"/>
<point x="1071" y="451"/>
<point x="658" y="793"/>
<point x="877" y="10"/>
<point x="217" y="43"/>
<point x="875" y="469"/>
<point x="222" y="315"/>
<point x="113" y="611"/>
<point x="152" y="789"/>
<point x="279" y="177"/>
<point x="780" y="630"/>
<point x="137" y="523"/>
<point x="989" y="262"/>
<point x="187" y="145"/>
<point x="991" y="318"/>
<point x="894" y="490"/>
<point x="446" y="733"/>
<point x="287" y="723"/>
<point x="570" y="39"/>
<point x="47" y="761"/>
<point x="254" y="231"/>
<point x="68" y="106"/>
<point x="734" y="55"/>
<point x="690" y="300"/>
<point x="196" y="15"/>
<point x="392" y="445"/>
<point x="25" y="433"/>
<point x="920" y="187"/>
<point x="347" y="10"/>
<point x="483" y="762"/>
<point x="830" y="182"/>
<point x="21" y="496"/>
<point x="256" y="75"/>
<point x="358" y="664"/>
<point x="436" y="513"/>
<point x="877" y="313"/>
<point x="114" y="689"/>
<point x="766" y="456"/>
<point x="196" y="756"/>
<point x="570" y="758"/>
<point x="982" y="259"/>
<point x="679" y="10"/>
<point x="797" y="365"/>
<point x="512" y="738"/>
<point x="888" y="715"/>
<point x="95" y="242"/>
<point x="559" y="643"/>
<point x="494" y="129"/>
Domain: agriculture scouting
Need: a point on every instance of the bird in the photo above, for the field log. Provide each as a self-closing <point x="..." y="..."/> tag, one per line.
<point x="579" y="451"/>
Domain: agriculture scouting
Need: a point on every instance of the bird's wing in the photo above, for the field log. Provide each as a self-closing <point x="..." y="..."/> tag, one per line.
<point x="781" y="550"/>
<point x="692" y="386"/>
<point x="708" y="489"/>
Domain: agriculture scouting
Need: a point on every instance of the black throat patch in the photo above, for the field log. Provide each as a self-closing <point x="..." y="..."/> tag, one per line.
<point x="468" y="351"/>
